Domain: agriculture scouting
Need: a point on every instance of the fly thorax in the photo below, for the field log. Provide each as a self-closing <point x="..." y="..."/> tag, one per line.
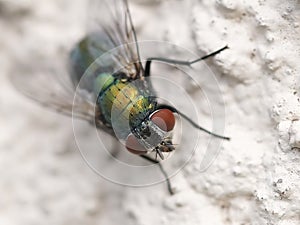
<point x="150" y="135"/>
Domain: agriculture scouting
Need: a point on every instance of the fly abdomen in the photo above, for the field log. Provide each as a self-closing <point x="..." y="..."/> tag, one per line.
<point x="84" y="55"/>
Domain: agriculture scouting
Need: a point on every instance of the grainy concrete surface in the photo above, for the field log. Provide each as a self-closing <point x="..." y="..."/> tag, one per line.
<point x="256" y="176"/>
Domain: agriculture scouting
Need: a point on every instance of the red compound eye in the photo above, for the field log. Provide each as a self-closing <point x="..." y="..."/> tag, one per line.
<point x="133" y="146"/>
<point x="164" y="119"/>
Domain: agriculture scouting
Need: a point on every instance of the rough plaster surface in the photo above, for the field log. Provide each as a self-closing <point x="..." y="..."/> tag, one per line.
<point x="255" y="178"/>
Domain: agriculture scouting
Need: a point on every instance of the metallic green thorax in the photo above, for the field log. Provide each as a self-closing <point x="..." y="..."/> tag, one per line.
<point x="122" y="104"/>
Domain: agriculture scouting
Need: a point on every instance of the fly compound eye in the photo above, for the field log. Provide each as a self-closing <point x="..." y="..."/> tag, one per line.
<point x="164" y="119"/>
<point x="133" y="146"/>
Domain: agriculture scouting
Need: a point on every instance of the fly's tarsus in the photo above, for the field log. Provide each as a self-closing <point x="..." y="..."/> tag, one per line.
<point x="171" y="192"/>
<point x="179" y="62"/>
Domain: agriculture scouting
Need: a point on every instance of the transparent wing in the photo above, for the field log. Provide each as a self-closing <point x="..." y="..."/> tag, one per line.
<point x="113" y="18"/>
<point x="51" y="86"/>
<point x="50" y="83"/>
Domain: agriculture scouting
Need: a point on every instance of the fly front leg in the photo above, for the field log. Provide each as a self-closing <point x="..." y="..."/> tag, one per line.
<point x="162" y="170"/>
<point x="179" y="62"/>
<point x="194" y="124"/>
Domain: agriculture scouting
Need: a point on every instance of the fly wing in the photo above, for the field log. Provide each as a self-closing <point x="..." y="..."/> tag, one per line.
<point x="113" y="18"/>
<point x="50" y="83"/>
<point x="52" y="87"/>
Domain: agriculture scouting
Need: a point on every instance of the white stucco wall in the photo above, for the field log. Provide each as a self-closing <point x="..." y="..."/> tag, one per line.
<point x="255" y="178"/>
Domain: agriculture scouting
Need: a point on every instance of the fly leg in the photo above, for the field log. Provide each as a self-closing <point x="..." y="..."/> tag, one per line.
<point x="179" y="62"/>
<point x="162" y="170"/>
<point x="191" y="121"/>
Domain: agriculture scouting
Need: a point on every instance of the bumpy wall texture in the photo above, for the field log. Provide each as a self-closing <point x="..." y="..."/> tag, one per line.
<point x="255" y="178"/>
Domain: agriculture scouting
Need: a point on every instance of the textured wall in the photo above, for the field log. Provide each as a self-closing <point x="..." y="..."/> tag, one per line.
<point x="256" y="176"/>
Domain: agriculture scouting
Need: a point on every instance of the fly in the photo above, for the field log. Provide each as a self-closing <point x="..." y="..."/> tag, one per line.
<point x="144" y="123"/>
